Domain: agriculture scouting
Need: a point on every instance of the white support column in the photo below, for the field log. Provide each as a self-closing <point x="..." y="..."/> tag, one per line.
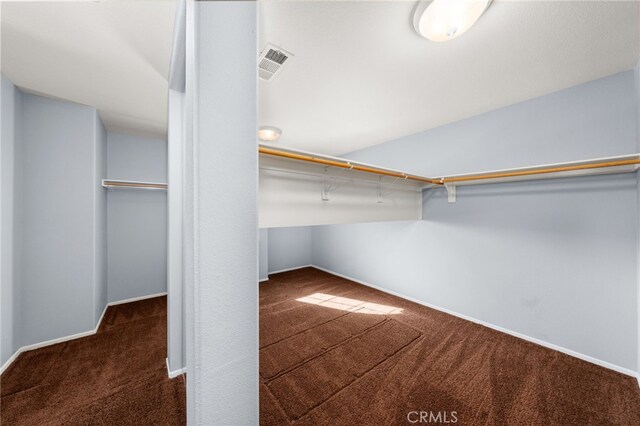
<point x="221" y="230"/>
<point x="175" y="361"/>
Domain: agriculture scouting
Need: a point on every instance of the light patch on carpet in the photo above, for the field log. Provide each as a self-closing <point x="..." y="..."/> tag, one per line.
<point x="349" y="305"/>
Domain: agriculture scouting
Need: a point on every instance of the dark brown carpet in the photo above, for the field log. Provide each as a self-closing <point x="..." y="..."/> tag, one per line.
<point x="345" y="354"/>
<point x="116" y="377"/>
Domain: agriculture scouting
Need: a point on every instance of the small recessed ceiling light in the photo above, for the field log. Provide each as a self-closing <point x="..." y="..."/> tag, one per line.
<point x="442" y="20"/>
<point x="269" y="133"/>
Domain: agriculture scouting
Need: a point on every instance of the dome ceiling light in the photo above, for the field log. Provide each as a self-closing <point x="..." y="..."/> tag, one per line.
<point x="269" y="133"/>
<point x="443" y="20"/>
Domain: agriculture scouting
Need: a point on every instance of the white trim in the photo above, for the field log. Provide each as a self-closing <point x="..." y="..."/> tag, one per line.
<point x="48" y="343"/>
<point x="10" y="360"/>
<point x="104" y="311"/>
<point x="548" y="345"/>
<point x="73" y="336"/>
<point x="263" y="280"/>
<point x="292" y="269"/>
<point x="175" y="373"/>
<point x="135" y="299"/>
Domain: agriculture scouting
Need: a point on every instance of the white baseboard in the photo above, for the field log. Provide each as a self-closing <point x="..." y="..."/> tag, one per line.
<point x="174" y="373"/>
<point x="263" y="280"/>
<point x="104" y="311"/>
<point x="49" y="343"/>
<point x="10" y="360"/>
<point x="292" y="269"/>
<point x="570" y="352"/>
<point x="135" y="299"/>
<point x="73" y="336"/>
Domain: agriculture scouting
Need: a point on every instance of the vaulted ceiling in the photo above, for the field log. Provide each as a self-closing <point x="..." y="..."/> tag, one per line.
<point x="362" y="76"/>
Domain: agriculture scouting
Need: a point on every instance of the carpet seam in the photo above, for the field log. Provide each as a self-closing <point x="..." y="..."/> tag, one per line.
<point x="277" y="401"/>
<point x="331" y="348"/>
<point x="304" y="331"/>
<point x="321" y="324"/>
<point x="360" y="377"/>
<point x="552" y="377"/>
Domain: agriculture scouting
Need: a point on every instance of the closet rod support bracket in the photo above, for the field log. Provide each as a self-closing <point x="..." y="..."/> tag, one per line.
<point x="451" y="191"/>
<point x="324" y="194"/>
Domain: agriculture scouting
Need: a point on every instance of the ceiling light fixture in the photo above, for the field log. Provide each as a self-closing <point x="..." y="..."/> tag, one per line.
<point x="269" y="133"/>
<point x="442" y="20"/>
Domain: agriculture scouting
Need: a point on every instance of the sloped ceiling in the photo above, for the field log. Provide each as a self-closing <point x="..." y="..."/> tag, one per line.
<point x="113" y="55"/>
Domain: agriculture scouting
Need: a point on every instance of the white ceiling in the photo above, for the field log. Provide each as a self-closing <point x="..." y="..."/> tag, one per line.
<point x="362" y="76"/>
<point x="112" y="55"/>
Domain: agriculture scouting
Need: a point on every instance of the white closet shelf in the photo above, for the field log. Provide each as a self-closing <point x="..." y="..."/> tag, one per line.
<point x="131" y="184"/>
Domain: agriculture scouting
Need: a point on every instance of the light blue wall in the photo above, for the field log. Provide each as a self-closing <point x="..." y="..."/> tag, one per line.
<point x="592" y="120"/>
<point x="132" y="157"/>
<point x="100" y="214"/>
<point x="10" y="215"/>
<point x="136" y="219"/>
<point x="263" y="254"/>
<point x="638" y="278"/>
<point x="553" y="260"/>
<point x="637" y="92"/>
<point x="175" y="205"/>
<point x="58" y="229"/>
<point x="289" y="248"/>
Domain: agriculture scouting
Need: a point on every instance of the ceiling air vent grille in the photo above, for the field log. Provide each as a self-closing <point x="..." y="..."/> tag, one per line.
<point x="272" y="59"/>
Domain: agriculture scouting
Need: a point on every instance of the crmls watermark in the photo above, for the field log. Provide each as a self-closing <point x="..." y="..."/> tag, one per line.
<point x="442" y="417"/>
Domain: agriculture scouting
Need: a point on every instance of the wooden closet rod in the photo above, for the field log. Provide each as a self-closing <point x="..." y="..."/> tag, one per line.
<point x="336" y="162"/>
<point x="344" y="165"/>
<point x="540" y="171"/>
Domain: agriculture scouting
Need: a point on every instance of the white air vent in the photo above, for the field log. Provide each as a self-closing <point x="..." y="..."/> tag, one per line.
<point x="271" y="61"/>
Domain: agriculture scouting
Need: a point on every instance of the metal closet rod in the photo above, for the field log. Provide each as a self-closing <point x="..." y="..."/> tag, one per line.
<point x="442" y="180"/>
<point x="132" y="184"/>
<point x="344" y="164"/>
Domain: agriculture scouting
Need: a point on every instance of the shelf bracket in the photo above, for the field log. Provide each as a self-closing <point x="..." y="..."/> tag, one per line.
<point x="324" y="195"/>
<point x="451" y="192"/>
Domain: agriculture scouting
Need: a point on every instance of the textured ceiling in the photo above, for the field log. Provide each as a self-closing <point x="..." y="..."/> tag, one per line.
<point x="112" y="55"/>
<point x="362" y="76"/>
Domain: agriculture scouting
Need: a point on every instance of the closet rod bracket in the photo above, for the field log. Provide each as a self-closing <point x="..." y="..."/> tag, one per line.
<point x="324" y="194"/>
<point x="451" y="191"/>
